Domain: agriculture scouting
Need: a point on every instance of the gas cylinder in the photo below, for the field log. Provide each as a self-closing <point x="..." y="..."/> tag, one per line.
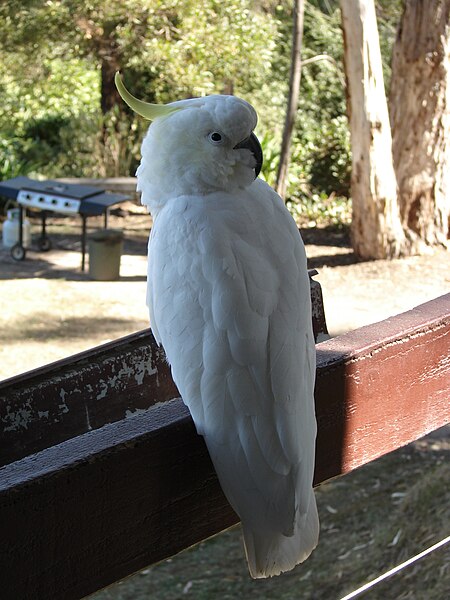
<point x="10" y="232"/>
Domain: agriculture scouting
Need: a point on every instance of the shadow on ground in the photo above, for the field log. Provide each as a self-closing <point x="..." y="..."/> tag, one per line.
<point x="58" y="264"/>
<point x="41" y="327"/>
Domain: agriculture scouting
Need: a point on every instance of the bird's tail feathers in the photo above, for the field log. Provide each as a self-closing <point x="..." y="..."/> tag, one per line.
<point x="272" y="553"/>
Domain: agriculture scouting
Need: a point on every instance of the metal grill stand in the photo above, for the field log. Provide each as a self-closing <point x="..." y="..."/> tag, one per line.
<point x="54" y="196"/>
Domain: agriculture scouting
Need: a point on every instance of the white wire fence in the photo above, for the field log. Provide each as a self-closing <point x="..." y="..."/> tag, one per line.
<point x="397" y="569"/>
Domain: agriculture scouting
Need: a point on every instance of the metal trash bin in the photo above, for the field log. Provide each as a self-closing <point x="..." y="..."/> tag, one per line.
<point x="105" y="251"/>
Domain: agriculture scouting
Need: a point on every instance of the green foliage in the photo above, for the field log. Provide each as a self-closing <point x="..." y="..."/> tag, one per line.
<point x="11" y="162"/>
<point x="213" y="38"/>
<point x="321" y="142"/>
<point x="47" y="115"/>
<point x="271" y="152"/>
<point x="330" y="162"/>
<point x="45" y="137"/>
<point x="55" y="87"/>
<point x="321" y="209"/>
<point x="51" y="72"/>
<point x="167" y="49"/>
<point x="320" y="153"/>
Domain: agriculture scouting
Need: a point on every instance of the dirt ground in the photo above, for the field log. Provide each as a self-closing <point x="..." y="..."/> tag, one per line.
<point x="50" y="309"/>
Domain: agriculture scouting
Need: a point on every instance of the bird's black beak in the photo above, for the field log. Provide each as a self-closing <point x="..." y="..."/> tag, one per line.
<point x="252" y="143"/>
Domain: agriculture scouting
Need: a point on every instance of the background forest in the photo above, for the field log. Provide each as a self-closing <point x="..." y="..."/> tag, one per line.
<point x="60" y="114"/>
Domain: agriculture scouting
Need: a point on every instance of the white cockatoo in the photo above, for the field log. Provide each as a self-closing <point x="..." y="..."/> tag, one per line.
<point x="229" y="300"/>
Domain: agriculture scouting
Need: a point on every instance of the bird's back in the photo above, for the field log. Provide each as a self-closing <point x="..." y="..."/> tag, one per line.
<point x="229" y="300"/>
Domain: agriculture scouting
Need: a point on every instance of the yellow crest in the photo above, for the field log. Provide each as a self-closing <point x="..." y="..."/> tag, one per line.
<point x="145" y="109"/>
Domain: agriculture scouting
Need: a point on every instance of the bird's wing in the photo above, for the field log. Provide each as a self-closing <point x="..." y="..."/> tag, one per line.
<point x="229" y="295"/>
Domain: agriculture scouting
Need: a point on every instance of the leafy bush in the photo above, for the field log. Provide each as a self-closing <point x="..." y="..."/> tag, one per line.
<point x="11" y="162"/>
<point x="330" y="166"/>
<point x="271" y="154"/>
<point x="42" y="140"/>
<point x="320" y="209"/>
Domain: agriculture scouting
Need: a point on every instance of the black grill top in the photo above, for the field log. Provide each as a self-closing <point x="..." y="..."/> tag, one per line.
<point x="94" y="201"/>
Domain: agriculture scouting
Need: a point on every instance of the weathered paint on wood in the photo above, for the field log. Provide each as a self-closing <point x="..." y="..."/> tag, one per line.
<point x="95" y="508"/>
<point x="81" y="393"/>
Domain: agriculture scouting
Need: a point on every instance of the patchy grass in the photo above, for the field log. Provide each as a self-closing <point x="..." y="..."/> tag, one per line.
<point x="371" y="520"/>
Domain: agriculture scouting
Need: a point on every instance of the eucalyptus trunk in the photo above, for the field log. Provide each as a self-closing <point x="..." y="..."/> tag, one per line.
<point x="420" y="121"/>
<point x="376" y="226"/>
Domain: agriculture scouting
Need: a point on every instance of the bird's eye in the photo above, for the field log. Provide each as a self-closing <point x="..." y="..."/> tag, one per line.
<point x="215" y="137"/>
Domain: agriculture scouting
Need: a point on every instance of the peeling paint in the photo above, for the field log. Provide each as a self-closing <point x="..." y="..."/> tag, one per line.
<point x="104" y="390"/>
<point x="88" y="420"/>
<point x="63" y="406"/>
<point x="18" y="420"/>
<point x="112" y="381"/>
<point x="406" y="339"/>
<point x="136" y="411"/>
<point x="142" y="368"/>
<point x="136" y="370"/>
<point x="437" y="370"/>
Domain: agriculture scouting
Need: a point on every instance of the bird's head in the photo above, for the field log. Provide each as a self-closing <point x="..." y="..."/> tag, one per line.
<point x="195" y="146"/>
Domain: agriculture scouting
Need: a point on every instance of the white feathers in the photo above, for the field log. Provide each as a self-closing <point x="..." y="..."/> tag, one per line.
<point x="228" y="294"/>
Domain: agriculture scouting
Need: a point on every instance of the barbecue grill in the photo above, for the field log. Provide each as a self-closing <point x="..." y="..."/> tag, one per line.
<point x="54" y="196"/>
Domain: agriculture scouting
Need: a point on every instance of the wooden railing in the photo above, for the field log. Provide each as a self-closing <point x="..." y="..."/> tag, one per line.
<point x="103" y="472"/>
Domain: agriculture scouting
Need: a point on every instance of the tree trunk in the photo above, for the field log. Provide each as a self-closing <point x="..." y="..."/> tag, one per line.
<point x="109" y="96"/>
<point x="110" y="56"/>
<point x="420" y="120"/>
<point x="294" y="91"/>
<point x="376" y="226"/>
